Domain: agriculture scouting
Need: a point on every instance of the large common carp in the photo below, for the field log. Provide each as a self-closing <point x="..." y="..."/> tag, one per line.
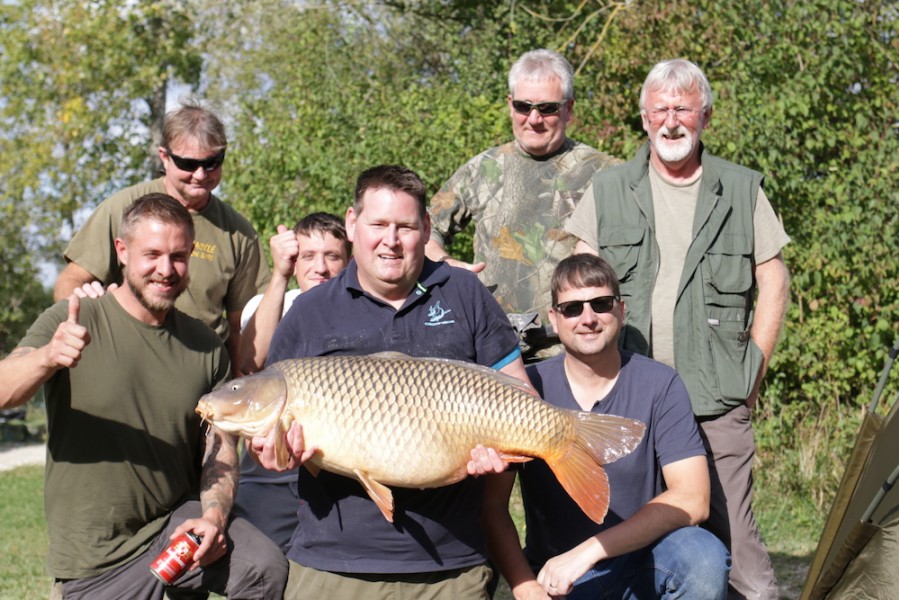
<point x="390" y="419"/>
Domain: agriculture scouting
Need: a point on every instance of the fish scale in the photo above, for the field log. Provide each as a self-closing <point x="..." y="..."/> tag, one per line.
<point x="392" y="420"/>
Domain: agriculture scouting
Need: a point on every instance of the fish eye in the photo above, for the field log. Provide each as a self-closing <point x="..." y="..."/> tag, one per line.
<point x="235" y="387"/>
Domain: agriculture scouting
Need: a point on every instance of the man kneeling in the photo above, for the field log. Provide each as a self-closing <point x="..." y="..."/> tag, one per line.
<point x="648" y="545"/>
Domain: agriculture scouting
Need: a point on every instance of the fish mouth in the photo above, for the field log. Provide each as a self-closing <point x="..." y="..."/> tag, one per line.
<point x="206" y="412"/>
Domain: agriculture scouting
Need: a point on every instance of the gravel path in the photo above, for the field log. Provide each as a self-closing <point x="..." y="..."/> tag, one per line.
<point x="20" y="455"/>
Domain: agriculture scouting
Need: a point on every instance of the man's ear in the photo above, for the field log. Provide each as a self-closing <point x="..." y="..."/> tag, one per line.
<point x="121" y="251"/>
<point x="552" y="316"/>
<point x="350" y="224"/>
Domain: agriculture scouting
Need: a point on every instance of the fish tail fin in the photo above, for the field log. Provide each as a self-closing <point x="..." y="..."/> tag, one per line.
<point x="597" y="440"/>
<point x="584" y="479"/>
<point x="607" y="437"/>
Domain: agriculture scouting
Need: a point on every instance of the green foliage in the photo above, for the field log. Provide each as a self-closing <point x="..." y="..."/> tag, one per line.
<point x="76" y="83"/>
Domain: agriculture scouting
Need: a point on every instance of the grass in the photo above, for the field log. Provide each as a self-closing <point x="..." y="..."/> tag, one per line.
<point x="23" y="535"/>
<point x="790" y="526"/>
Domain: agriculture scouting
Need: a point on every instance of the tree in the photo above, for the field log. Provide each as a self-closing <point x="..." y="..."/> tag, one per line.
<point x="81" y="84"/>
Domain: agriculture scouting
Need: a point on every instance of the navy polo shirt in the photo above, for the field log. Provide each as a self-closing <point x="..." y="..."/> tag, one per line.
<point x="449" y="314"/>
<point x="646" y="390"/>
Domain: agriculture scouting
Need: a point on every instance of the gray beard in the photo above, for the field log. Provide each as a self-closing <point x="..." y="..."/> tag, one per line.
<point x="678" y="152"/>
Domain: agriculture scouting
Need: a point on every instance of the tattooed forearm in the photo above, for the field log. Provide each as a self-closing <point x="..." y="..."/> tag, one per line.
<point x="218" y="481"/>
<point x="22" y="372"/>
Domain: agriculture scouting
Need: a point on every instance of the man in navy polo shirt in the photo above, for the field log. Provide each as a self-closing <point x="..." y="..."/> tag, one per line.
<point x="648" y="546"/>
<point x="391" y="298"/>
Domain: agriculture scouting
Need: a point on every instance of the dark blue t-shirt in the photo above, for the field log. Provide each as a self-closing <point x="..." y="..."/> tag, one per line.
<point x="449" y="314"/>
<point x="646" y="390"/>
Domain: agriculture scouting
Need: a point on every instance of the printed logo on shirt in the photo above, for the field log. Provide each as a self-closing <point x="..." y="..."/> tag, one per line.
<point x="437" y="315"/>
<point x="204" y="251"/>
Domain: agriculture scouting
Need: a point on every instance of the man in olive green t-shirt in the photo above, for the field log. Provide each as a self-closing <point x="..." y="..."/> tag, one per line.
<point x="126" y="465"/>
<point x="226" y="266"/>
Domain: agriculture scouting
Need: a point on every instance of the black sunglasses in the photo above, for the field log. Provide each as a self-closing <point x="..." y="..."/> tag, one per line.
<point x="574" y="308"/>
<point x="544" y="108"/>
<point x="192" y="164"/>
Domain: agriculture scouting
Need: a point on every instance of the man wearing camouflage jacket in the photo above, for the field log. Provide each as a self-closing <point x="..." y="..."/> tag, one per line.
<point x="520" y="195"/>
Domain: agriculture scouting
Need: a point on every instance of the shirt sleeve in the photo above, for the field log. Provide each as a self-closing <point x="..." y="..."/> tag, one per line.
<point x="93" y="246"/>
<point x="449" y="208"/>
<point x="770" y="236"/>
<point x="675" y="429"/>
<point x="582" y="223"/>
<point x="251" y="277"/>
<point x="41" y="331"/>
<point x="495" y="340"/>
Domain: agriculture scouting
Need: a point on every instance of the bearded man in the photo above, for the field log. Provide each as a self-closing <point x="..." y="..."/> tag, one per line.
<point x="129" y="464"/>
<point x="697" y="249"/>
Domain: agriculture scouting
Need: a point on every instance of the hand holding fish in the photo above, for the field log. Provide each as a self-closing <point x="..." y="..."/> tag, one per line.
<point x="485" y="460"/>
<point x="70" y="338"/>
<point x="265" y="449"/>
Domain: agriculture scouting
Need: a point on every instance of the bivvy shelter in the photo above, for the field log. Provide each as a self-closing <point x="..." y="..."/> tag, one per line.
<point x="858" y="554"/>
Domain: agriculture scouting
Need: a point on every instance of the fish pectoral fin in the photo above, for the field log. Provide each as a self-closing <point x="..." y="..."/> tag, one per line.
<point x="378" y="492"/>
<point x="282" y="452"/>
<point x="515" y="458"/>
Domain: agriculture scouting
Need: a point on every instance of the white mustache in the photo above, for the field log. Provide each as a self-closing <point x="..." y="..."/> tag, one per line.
<point x="680" y="130"/>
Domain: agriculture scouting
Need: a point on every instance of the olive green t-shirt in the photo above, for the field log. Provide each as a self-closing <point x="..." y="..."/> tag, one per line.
<point x="124" y="444"/>
<point x="226" y="268"/>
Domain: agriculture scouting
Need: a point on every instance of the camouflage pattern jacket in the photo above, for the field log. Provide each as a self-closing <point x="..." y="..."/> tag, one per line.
<point x="519" y="204"/>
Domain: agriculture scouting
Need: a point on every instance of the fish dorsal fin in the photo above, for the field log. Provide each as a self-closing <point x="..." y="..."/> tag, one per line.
<point x="378" y="492"/>
<point x="499" y="376"/>
<point x="390" y="354"/>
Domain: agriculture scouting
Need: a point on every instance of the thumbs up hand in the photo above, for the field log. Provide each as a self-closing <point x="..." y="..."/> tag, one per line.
<point x="69" y="340"/>
<point x="285" y="250"/>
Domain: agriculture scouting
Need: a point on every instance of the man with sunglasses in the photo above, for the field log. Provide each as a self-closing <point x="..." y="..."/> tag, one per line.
<point x="697" y="247"/>
<point x="519" y="195"/>
<point x="647" y="546"/>
<point x="226" y="267"/>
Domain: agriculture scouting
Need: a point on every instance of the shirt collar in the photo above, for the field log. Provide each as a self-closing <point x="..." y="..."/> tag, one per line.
<point x="432" y="273"/>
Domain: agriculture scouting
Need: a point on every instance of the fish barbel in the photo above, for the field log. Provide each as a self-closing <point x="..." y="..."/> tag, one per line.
<point x="391" y="419"/>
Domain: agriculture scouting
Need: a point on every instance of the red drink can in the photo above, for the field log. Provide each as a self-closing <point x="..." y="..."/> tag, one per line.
<point x="172" y="561"/>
